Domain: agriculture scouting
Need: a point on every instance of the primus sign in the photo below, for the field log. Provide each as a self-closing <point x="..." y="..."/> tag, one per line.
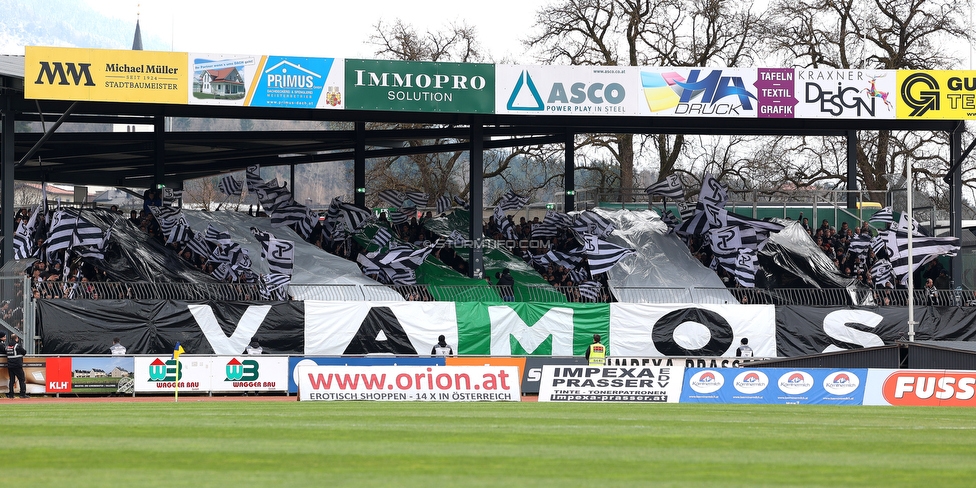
<point x="419" y="87"/>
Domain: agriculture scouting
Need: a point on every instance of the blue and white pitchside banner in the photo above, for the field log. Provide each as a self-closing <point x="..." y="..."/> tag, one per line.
<point x="774" y="386"/>
<point x="653" y="384"/>
<point x="410" y="383"/>
<point x="649" y="330"/>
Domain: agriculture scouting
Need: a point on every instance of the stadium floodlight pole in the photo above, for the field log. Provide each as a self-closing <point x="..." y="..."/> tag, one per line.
<point x="911" y="270"/>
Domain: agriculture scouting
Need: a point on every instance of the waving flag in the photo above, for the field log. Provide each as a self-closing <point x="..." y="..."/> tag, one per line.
<point x="602" y="255"/>
<point x="177" y="350"/>
<point x="229" y="186"/>
<point x="669" y="187"/>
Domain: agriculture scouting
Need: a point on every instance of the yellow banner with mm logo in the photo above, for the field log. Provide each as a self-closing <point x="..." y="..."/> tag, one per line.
<point x="57" y="73"/>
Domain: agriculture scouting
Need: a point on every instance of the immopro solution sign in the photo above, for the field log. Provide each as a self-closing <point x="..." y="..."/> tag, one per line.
<point x="415" y="86"/>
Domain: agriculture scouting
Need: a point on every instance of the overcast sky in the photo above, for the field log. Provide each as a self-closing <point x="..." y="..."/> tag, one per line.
<point x="318" y="28"/>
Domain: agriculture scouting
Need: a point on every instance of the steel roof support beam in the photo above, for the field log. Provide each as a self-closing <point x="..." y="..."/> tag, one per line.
<point x="7" y="163"/>
<point x="476" y="171"/>
<point x="954" y="178"/>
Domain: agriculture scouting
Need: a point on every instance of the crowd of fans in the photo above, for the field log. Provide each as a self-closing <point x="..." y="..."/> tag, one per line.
<point x="76" y="281"/>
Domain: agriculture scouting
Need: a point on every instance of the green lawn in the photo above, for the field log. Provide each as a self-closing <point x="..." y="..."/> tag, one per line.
<point x="284" y="444"/>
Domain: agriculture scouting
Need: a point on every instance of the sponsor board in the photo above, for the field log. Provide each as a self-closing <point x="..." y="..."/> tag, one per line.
<point x="921" y="388"/>
<point x="566" y="90"/>
<point x="652" y="384"/>
<point x="699" y="92"/>
<point x="532" y="373"/>
<point x="409" y="383"/>
<point x="845" y="94"/>
<point x="943" y="94"/>
<point x="221" y="79"/>
<point x="417" y="86"/>
<point x="650" y="330"/>
<point x="154" y="374"/>
<point x="34" y="372"/>
<point x="294" y="362"/>
<point x="105" y="75"/>
<point x="249" y="373"/>
<point x="90" y="375"/>
<point x="688" y="362"/>
<point x="774" y="386"/>
<point x="297" y="82"/>
<point x="775" y="96"/>
<point x="223" y="374"/>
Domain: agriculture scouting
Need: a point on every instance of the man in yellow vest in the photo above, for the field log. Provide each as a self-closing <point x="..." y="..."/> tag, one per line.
<point x="596" y="354"/>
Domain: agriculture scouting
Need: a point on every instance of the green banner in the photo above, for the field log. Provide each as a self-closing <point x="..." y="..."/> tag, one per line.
<point x="416" y="86"/>
<point x="534" y="329"/>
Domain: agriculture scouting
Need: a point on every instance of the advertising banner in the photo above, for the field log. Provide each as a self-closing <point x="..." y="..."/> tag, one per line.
<point x="159" y="374"/>
<point x="385" y="360"/>
<point x="942" y="94"/>
<point x="921" y="388"/>
<point x="774" y="386"/>
<point x="75" y="327"/>
<point x="649" y="330"/>
<point x="34" y="373"/>
<point x="526" y="329"/>
<point x="688" y="362"/>
<point x="775" y="93"/>
<point x="532" y="373"/>
<point x="699" y="92"/>
<point x="105" y="75"/>
<point x="96" y="375"/>
<point x="361" y="328"/>
<point x="409" y="383"/>
<point x="653" y="384"/>
<point x="248" y="373"/>
<point x="566" y="90"/>
<point x="415" y="86"/>
<point x="222" y="79"/>
<point x="295" y="82"/>
<point x="845" y="94"/>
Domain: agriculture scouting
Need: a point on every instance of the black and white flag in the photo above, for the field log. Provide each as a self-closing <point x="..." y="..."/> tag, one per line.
<point x="881" y="272"/>
<point x="216" y="235"/>
<point x="391" y="197"/>
<point x="590" y="290"/>
<point x="382" y="237"/>
<point x="198" y="244"/>
<point x="746" y="265"/>
<point x="230" y="186"/>
<point x="416" y="197"/>
<point x="588" y="222"/>
<point x="253" y="177"/>
<point x="512" y="201"/>
<point x="280" y="256"/>
<point x="602" y="255"/>
<point x="443" y="204"/>
<point x="669" y="187"/>
<point x="885" y="215"/>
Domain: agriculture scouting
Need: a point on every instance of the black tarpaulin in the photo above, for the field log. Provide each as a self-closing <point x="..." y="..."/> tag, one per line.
<point x="791" y="259"/>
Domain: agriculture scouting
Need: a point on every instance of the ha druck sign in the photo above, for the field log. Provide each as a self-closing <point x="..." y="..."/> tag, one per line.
<point x="652" y="384"/>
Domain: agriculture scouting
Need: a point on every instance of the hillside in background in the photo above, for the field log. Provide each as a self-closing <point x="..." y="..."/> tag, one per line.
<point x="65" y="23"/>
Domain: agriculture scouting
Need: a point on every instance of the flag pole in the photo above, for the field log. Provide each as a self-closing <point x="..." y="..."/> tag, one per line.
<point x="176" y="384"/>
<point x="911" y="268"/>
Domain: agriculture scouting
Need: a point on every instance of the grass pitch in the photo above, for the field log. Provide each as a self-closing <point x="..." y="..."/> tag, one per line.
<point x="284" y="444"/>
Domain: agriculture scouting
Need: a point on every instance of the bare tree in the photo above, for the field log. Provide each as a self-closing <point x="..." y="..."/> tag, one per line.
<point x="442" y="173"/>
<point x="873" y="34"/>
<point x="646" y="32"/>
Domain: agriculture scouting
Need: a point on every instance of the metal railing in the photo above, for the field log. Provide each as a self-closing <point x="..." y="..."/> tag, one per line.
<point x="818" y="297"/>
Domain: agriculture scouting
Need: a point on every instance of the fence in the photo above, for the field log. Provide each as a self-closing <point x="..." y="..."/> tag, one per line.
<point x="10" y="290"/>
